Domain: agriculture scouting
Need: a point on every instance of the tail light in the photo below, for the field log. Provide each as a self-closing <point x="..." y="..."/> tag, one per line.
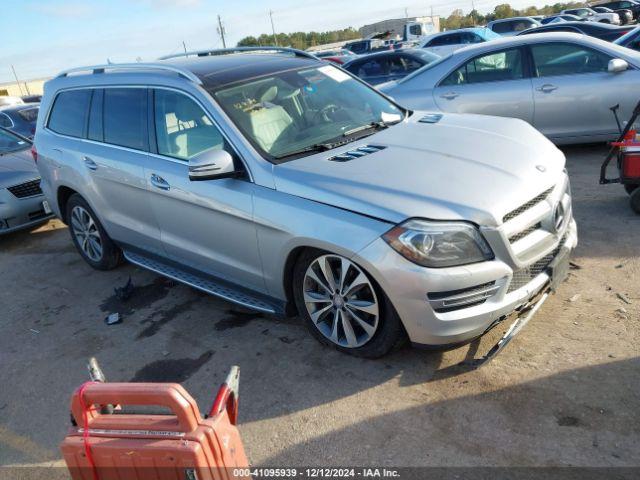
<point x="34" y="153"/>
<point x="631" y="166"/>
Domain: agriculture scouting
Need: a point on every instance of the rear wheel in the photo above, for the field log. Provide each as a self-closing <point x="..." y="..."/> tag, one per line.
<point x="343" y="307"/>
<point x="629" y="188"/>
<point x="89" y="237"/>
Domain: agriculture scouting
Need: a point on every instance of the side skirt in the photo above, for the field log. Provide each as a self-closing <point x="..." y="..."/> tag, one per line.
<point x="208" y="284"/>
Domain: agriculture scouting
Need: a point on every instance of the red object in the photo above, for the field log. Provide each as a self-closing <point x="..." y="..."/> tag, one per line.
<point x="228" y="397"/>
<point x="339" y="60"/>
<point x="148" y="446"/>
<point x="34" y="153"/>
<point x="85" y="432"/>
<point x="631" y="166"/>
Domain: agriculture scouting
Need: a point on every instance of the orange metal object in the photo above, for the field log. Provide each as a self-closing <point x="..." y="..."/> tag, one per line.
<point x="181" y="445"/>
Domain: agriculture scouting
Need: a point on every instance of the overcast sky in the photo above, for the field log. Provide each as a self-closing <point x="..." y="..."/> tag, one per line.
<point x="41" y="37"/>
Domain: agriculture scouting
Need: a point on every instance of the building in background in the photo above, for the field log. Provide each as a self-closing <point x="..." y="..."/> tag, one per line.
<point x="29" y="87"/>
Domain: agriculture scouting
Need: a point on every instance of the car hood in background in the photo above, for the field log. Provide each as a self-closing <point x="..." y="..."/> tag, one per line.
<point x="463" y="167"/>
<point x="17" y="167"/>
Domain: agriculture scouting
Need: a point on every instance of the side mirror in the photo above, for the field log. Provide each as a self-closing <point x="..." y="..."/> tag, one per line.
<point x="617" y="65"/>
<point x="211" y="165"/>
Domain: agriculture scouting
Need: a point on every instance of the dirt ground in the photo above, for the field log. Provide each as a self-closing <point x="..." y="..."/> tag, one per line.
<point x="565" y="392"/>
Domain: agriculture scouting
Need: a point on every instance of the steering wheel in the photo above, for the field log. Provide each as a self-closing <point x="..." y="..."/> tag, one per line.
<point x="332" y="107"/>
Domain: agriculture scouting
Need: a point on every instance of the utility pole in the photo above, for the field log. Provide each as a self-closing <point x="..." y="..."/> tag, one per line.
<point x="473" y="9"/>
<point x="406" y="13"/>
<point x="273" y="29"/>
<point x="221" y="32"/>
<point x="184" y="45"/>
<point x="17" y="81"/>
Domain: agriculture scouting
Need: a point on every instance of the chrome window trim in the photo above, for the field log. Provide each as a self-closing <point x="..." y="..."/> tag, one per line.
<point x="151" y="154"/>
<point x="9" y="118"/>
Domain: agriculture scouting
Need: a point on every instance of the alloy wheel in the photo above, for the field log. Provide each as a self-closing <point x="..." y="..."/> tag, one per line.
<point x="86" y="233"/>
<point x="341" y="301"/>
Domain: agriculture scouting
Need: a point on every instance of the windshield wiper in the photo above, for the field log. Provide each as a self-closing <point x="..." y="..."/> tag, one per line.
<point x="317" y="147"/>
<point x="369" y="126"/>
<point x="323" y="147"/>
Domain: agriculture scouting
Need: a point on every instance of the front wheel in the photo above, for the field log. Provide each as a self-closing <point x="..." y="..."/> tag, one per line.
<point x="89" y="236"/>
<point x="343" y="307"/>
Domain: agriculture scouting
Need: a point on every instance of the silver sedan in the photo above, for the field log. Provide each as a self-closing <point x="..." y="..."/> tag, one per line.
<point x="564" y="84"/>
<point x="22" y="203"/>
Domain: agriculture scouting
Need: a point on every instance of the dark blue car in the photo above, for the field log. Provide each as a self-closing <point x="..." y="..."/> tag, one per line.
<point x="383" y="67"/>
<point x="20" y="118"/>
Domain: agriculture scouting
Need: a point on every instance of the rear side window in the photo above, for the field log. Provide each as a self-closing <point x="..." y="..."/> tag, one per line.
<point x="502" y="27"/>
<point x="125" y="117"/>
<point x="69" y="113"/>
<point x="453" y="39"/>
<point x="5" y="121"/>
<point x="29" y="115"/>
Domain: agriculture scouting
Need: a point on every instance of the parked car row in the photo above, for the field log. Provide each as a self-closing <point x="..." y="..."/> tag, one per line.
<point x="562" y="83"/>
<point x="22" y="203"/>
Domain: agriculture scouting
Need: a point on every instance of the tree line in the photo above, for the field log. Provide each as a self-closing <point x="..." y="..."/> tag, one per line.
<point x="301" y="40"/>
<point x="457" y="19"/>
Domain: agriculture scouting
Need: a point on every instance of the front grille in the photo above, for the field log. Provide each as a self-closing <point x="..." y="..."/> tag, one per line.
<point x="524" y="233"/>
<point x="523" y="208"/>
<point x="26" y="189"/>
<point x="525" y="275"/>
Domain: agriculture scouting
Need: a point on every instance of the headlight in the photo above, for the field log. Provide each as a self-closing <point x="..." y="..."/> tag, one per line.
<point x="438" y="244"/>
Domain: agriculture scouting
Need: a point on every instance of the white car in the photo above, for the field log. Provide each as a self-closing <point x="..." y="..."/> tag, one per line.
<point x="444" y="43"/>
<point x="591" y="15"/>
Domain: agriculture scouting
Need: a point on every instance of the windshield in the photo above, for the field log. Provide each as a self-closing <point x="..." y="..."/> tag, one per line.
<point x="11" y="143"/>
<point x="293" y="113"/>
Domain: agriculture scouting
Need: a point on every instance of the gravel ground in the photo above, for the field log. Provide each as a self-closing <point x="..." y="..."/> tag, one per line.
<point x="565" y="392"/>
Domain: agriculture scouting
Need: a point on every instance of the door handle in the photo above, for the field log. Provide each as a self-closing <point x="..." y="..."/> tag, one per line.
<point x="450" y="95"/>
<point x="547" y="88"/>
<point x="90" y="164"/>
<point x="159" y="182"/>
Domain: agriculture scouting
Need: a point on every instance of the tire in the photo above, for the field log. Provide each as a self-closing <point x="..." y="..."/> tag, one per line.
<point x="384" y="330"/>
<point x="89" y="236"/>
<point x="634" y="200"/>
<point x="629" y="188"/>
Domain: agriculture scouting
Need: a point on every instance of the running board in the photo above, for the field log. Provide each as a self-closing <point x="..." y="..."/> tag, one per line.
<point x="201" y="282"/>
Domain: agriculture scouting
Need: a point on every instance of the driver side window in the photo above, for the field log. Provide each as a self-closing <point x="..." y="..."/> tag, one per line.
<point x="554" y="59"/>
<point x="183" y="130"/>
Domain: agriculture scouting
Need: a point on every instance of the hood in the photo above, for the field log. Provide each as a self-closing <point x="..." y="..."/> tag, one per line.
<point x="462" y="167"/>
<point x="17" y="167"/>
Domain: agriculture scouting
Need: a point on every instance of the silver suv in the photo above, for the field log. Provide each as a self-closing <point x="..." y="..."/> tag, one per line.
<point x="284" y="184"/>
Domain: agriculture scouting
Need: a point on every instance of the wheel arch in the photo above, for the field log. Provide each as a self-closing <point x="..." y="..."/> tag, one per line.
<point x="63" y="195"/>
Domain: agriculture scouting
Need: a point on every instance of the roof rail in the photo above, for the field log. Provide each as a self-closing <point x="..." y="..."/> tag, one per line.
<point x="134" y="66"/>
<point x="228" y="51"/>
